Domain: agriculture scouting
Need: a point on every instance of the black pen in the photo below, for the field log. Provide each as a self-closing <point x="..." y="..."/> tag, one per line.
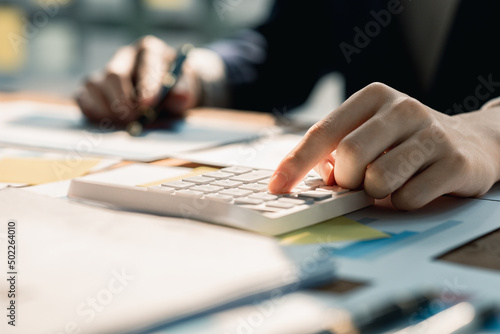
<point x="150" y="114"/>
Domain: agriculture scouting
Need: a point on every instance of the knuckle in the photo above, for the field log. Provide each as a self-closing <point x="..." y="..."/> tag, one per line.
<point x="405" y="199"/>
<point x="90" y="80"/>
<point x="438" y="132"/>
<point x="94" y="80"/>
<point x="376" y="171"/>
<point x="378" y="125"/>
<point x="434" y="130"/>
<point x="350" y="148"/>
<point x="126" y="50"/>
<point x="91" y="85"/>
<point x="374" y="183"/>
<point x="319" y="130"/>
<point x="148" y="42"/>
<point x="376" y="88"/>
<point x="459" y="162"/>
<point x="424" y="135"/>
<point x="111" y="76"/>
<point x="408" y="107"/>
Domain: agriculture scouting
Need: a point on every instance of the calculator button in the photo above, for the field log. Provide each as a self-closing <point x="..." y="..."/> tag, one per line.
<point x="178" y="184"/>
<point x="303" y="187"/>
<point x="226" y="183"/>
<point x="264" y="196"/>
<point x="294" y="192"/>
<point x="236" y="192"/>
<point x="189" y="193"/>
<point x="218" y="175"/>
<point x="163" y="189"/>
<point x="199" y="179"/>
<point x="265" y="181"/>
<point x="247" y="200"/>
<point x="252" y="176"/>
<point x="316" y="195"/>
<point x="294" y="201"/>
<point x="281" y="205"/>
<point x="314" y="182"/>
<point x="219" y="197"/>
<point x="236" y="170"/>
<point x="206" y="188"/>
<point x="334" y="189"/>
<point x="254" y="187"/>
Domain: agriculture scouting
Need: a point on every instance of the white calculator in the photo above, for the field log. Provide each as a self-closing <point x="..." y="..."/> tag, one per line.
<point x="234" y="196"/>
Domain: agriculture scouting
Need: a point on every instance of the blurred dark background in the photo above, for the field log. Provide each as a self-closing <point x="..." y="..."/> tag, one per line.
<point x="50" y="45"/>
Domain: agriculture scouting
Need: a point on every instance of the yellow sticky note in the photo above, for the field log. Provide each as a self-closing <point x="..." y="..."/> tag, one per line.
<point x="12" y="40"/>
<point x="333" y="230"/>
<point x="40" y="170"/>
<point x="195" y="172"/>
<point x="173" y="5"/>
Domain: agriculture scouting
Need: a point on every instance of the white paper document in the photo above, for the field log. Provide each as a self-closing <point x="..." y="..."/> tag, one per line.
<point x="64" y="129"/>
<point x="137" y="174"/>
<point x="130" y="175"/>
<point x="265" y="152"/>
<point x="93" y="270"/>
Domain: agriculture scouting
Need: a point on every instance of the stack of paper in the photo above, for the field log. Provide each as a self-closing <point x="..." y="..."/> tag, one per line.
<point x="64" y="129"/>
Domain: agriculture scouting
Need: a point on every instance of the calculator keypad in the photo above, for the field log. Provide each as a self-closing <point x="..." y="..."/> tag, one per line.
<point x="248" y="187"/>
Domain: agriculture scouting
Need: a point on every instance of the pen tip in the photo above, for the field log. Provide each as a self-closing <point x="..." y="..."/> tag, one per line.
<point x="134" y="128"/>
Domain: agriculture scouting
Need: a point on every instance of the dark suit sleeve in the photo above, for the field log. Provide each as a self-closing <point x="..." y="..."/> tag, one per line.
<point x="277" y="64"/>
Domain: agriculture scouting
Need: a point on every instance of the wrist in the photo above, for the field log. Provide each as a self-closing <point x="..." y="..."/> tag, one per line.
<point x="209" y="71"/>
<point x="194" y="86"/>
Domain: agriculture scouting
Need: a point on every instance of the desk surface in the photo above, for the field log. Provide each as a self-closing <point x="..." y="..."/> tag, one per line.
<point x="477" y="252"/>
<point x="481" y="252"/>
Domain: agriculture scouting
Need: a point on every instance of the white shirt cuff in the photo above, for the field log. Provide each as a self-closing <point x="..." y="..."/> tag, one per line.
<point x="211" y="72"/>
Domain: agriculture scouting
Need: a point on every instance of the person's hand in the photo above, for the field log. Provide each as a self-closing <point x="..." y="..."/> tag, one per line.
<point x="133" y="79"/>
<point x="390" y="143"/>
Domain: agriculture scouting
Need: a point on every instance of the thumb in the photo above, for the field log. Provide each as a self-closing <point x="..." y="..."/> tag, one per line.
<point x="326" y="169"/>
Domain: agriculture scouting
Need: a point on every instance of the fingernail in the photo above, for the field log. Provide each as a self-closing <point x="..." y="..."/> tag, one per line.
<point x="278" y="182"/>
